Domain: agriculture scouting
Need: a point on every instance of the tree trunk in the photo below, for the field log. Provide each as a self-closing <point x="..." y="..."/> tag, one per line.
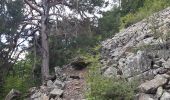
<point x="45" y="45"/>
<point x="44" y="41"/>
<point x="45" y="50"/>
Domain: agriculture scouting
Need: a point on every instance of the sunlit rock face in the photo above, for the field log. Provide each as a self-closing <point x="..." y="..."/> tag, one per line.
<point x="140" y="51"/>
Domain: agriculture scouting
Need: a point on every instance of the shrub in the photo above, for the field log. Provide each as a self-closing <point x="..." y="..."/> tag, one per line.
<point x="102" y="88"/>
<point x="149" y="7"/>
<point x="20" y="78"/>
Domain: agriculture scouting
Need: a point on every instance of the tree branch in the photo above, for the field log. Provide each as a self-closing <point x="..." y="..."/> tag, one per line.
<point x="33" y="7"/>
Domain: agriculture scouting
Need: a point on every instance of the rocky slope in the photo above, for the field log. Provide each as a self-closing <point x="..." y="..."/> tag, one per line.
<point x="142" y="52"/>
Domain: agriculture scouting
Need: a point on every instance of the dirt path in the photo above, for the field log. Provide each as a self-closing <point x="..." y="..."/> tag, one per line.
<point x="76" y="85"/>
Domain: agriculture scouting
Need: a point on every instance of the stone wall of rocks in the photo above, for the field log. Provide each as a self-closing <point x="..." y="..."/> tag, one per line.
<point x="141" y="51"/>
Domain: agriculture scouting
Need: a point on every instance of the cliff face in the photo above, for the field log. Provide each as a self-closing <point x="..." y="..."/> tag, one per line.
<point x="140" y="52"/>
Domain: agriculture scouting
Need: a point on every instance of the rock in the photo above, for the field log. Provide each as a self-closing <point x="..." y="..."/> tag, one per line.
<point x="50" y="83"/>
<point x="110" y="72"/>
<point x="152" y="85"/>
<point x="32" y="90"/>
<point x="166" y="64"/>
<point x="136" y="64"/>
<point x="143" y="96"/>
<point x="160" y="62"/>
<point x="162" y="71"/>
<point x="13" y="94"/>
<point x="58" y="70"/>
<point x="103" y="69"/>
<point x="45" y="89"/>
<point x="159" y="92"/>
<point x="36" y="95"/>
<point x="156" y="66"/>
<point x="39" y="96"/>
<point x="165" y="96"/>
<point x="166" y="76"/>
<point x="44" y="97"/>
<point x="59" y="84"/>
<point x="57" y="92"/>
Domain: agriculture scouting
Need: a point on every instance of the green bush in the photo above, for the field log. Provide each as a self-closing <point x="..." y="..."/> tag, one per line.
<point x="149" y="7"/>
<point x="102" y="88"/>
<point x="20" y="78"/>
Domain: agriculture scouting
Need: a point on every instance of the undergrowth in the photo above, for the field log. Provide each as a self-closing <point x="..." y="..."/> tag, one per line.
<point x="102" y="88"/>
<point x="150" y="7"/>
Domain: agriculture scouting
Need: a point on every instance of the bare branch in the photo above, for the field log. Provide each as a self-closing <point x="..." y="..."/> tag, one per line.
<point x="33" y="7"/>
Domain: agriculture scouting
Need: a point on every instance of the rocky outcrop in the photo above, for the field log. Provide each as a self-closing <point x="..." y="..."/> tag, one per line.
<point x="152" y="85"/>
<point x="141" y="51"/>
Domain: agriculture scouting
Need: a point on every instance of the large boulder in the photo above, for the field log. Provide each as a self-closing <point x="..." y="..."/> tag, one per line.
<point x="136" y="64"/>
<point x="152" y="85"/>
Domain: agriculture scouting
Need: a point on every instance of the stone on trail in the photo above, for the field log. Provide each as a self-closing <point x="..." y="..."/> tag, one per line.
<point x="56" y="92"/>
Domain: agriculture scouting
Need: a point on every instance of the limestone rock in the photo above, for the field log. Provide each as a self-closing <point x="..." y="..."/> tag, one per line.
<point x="32" y="90"/>
<point x="143" y="96"/>
<point x="165" y="96"/>
<point x="59" y="84"/>
<point x="110" y="72"/>
<point x="167" y="64"/>
<point x="136" y="64"/>
<point x="36" y="95"/>
<point x="44" y="97"/>
<point x="152" y="85"/>
<point x="50" y="83"/>
<point x="56" y="92"/>
<point x="159" y="92"/>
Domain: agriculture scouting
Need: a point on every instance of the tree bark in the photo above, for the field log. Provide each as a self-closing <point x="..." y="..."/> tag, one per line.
<point x="45" y="51"/>
<point x="45" y="45"/>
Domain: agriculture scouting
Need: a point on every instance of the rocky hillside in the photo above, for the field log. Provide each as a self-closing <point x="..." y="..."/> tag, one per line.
<point x="142" y="52"/>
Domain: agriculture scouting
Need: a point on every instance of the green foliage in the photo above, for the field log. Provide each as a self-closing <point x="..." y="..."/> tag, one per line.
<point x="102" y="88"/>
<point x="68" y="49"/>
<point x="19" y="78"/>
<point x="148" y="8"/>
<point x="130" y="6"/>
<point x="110" y="21"/>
